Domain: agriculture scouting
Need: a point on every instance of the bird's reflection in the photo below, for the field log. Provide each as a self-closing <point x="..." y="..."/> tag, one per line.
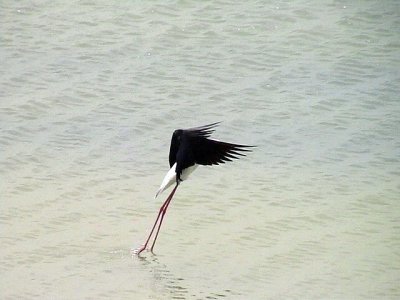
<point x="163" y="278"/>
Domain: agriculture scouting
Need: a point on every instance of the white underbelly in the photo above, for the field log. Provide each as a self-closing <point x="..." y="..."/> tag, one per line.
<point x="186" y="172"/>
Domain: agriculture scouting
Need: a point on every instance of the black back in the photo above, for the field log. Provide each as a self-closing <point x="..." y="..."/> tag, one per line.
<point x="192" y="146"/>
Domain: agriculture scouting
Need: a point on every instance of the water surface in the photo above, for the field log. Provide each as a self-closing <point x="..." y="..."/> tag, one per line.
<point x="90" y="93"/>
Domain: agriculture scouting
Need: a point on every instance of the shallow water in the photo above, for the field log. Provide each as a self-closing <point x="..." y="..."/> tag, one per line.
<point x="90" y="94"/>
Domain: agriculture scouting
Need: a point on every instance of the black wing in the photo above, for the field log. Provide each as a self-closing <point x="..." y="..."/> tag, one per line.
<point x="212" y="152"/>
<point x="192" y="146"/>
<point x="202" y="131"/>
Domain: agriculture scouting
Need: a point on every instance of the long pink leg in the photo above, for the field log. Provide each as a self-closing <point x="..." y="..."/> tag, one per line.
<point x="162" y="216"/>
<point x="161" y="212"/>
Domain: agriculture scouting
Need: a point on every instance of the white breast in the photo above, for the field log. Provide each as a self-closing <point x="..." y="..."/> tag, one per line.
<point x="170" y="178"/>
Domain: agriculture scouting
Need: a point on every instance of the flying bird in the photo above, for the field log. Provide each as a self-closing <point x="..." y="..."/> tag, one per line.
<point x="190" y="148"/>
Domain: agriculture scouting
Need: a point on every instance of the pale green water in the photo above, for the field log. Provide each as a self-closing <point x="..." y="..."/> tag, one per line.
<point x="90" y="93"/>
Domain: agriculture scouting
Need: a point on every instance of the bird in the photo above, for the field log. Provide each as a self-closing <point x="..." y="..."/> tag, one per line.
<point x="189" y="148"/>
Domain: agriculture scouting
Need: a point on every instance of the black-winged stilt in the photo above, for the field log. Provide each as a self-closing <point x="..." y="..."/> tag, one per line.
<point x="189" y="148"/>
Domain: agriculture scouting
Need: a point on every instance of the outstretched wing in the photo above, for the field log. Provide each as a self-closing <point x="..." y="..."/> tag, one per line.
<point x="176" y="140"/>
<point x="212" y="152"/>
<point x="192" y="146"/>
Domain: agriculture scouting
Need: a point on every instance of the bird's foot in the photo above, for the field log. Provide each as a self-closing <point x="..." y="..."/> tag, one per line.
<point x="138" y="250"/>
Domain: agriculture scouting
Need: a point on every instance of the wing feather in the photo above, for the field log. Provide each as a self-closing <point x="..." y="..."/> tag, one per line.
<point x="201" y="131"/>
<point x="213" y="152"/>
<point x="193" y="146"/>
